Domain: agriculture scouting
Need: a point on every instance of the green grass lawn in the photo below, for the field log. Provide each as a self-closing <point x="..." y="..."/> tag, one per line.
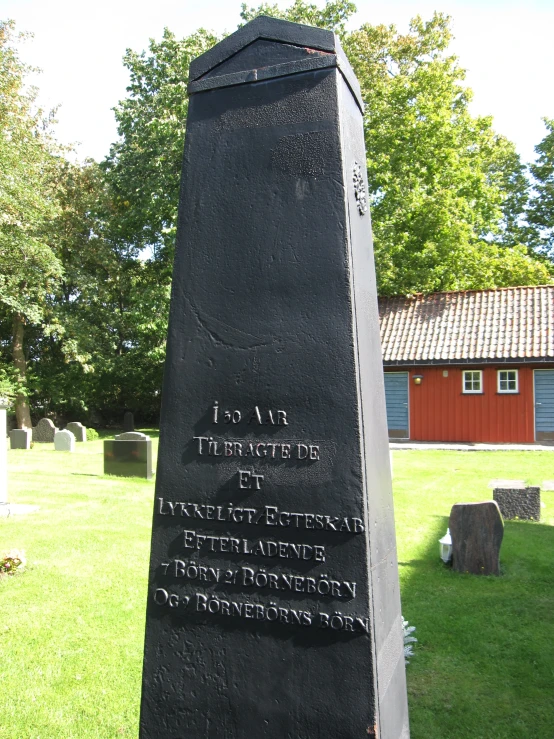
<point x="71" y="626"/>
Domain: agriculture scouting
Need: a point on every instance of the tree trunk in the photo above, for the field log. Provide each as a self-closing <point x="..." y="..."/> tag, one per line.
<point x="22" y="410"/>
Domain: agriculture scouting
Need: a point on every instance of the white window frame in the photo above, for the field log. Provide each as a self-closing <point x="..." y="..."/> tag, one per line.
<point x="472" y="392"/>
<point x="507" y="392"/>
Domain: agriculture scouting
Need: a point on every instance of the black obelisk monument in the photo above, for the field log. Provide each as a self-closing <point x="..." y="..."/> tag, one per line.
<point x="273" y="604"/>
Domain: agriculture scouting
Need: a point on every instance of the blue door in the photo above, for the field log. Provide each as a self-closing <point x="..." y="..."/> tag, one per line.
<point x="544" y="405"/>
<point x="396" y="393"/>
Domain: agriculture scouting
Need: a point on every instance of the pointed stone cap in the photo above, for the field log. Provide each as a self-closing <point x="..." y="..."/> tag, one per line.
<point x="267" y="48"/>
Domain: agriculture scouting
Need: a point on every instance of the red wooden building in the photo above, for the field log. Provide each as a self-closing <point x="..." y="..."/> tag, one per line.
<point x="474" y="366"/>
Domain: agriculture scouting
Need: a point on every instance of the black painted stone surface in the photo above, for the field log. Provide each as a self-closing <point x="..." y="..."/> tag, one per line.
<point x="128" y="421"/>
<point x="273" y="604"/>
<point x="524" y="503"/>
<point x="128" y="458"/>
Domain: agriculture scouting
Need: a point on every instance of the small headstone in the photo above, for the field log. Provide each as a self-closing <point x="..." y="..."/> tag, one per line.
<point x="132" y="436"/>
<point x="519" y="503"/>
<point x="3" y="456"/>
<point x="128" y="455"/>
<point x="44" y="431"/>
<point x="128" y="421"/>
<point x="20" y="438"/>
<point x="64" y="441"/>
<point x="477" y="530"/>
<point x="78" y="430"/>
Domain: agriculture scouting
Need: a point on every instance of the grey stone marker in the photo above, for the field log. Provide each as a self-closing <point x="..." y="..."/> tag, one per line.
<point x="519" y="503"/>
<point x="128" y="421"/>
<point x="273" y="607"/>
<point x="44" y="431"/>
<point x="78" y="430"/>
<point x="128" y="455"/>
<point x="3" y="456"/>
<point x="64" y="441"/>
<point x="21" y="438"/>
<point x="477" y="530"/>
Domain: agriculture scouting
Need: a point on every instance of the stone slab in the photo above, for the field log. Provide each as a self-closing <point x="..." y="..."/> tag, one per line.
<point x="43" y="432"/>
<point x="128" y="458"/>
<point x="517" y="503"/>
<point x="476" y="530"/>
<point x="21" y="438"/>
<point x="548" y="485"/>
<point x="3" y="452"/>
<point x="128" y="421"/>
<point x="273" y="605"/>
<point x="78" y="430"/>
<point x="64" y="441"/>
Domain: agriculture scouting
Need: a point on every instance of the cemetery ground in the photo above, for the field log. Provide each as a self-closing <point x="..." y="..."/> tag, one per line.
<point x="71" y="625"/>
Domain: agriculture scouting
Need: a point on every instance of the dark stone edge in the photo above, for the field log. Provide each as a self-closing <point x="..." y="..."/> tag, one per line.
<point x="282" y="70"/>
<point x="271" y="29"/>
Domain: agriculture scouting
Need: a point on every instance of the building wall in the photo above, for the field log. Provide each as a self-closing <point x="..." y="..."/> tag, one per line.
<point x="440" y="411"/>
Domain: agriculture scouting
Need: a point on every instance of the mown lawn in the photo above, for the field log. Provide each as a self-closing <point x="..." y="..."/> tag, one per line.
<point x="71" y="627"/>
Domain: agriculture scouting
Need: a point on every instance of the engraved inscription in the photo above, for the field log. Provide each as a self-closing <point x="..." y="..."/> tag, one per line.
<point x="208" y="446"/>
<point x="197" y="545"/>
<point x="266" y="516"/>
<point x="212" y="605"/>
<point x="257" y="416"/>
<point x="247" y="548"/>
<point x="260" y="579"/>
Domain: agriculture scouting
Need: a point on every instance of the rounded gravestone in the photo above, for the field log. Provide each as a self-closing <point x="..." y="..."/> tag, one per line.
<point x="44" y="431"/>
<point x="64" y="441"/>
<point x="78" y="430"/>
<point x="128" y="421"/>
<point x="477" y="530"/>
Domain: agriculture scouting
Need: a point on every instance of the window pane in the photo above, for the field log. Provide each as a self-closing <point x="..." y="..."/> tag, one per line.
<point x="472" y="381"/>
<point x="507" y="381"/>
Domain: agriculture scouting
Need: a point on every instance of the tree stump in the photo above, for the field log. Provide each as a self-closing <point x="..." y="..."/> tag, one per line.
<point x="477" y="530"/>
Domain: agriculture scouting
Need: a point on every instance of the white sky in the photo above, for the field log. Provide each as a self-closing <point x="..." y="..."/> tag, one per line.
<point x="505" y="45"/>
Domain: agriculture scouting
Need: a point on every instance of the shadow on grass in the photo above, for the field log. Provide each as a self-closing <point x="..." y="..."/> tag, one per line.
<point x="483" y="662"/>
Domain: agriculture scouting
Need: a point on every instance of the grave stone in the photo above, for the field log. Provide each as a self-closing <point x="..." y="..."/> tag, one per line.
<point x="44" y="431"/>
<point x="3" y="457"/>
<point x="78" y="430"/>
<point x="128" y="455"/>
<point x="476" y="530"/>
<point x="519" y="503"/>
<point x="273" y="605"/>
<point x="64" y="441"/>
<point x="20" y="438"/>
<point x="128" y="421"/>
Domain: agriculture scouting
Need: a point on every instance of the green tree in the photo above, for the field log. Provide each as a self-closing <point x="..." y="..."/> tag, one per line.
<point x="447" y="192"/>
<point x="29" y="266"/>
<point x="540" y="213"/>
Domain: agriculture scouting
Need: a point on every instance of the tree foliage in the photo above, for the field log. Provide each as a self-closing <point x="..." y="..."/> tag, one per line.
<point x="86" y="251"/>
<point x="446" y="190"/>
<point x="29" y="266"/>
<point x="540" y="213"/>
